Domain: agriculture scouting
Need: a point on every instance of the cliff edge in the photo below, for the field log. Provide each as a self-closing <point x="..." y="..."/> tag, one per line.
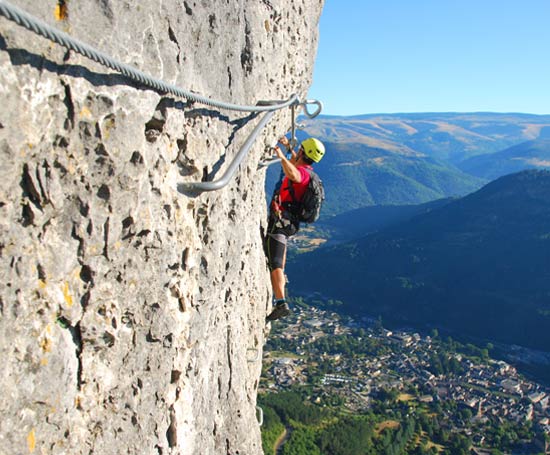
<point x="131" y="313"/>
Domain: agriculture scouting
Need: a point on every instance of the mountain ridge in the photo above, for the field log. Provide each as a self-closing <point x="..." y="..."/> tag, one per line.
<point x="449" y="136"/>
<point x="534" y="154"/>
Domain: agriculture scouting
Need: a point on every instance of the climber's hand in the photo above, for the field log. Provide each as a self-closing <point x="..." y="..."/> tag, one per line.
<point x="284" y="141"/>
<point x="280" y="154"/>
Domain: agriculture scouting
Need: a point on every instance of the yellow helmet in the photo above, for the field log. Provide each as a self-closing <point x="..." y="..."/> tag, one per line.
<point x="314" y="149"/>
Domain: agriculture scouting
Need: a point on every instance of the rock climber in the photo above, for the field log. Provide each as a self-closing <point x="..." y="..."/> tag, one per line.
<point x="282" y="222"/>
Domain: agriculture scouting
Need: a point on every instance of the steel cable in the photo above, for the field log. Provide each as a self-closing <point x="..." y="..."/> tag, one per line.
<point x="41" y="28"/>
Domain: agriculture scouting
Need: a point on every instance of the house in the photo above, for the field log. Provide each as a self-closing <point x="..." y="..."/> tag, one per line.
<point x="402" y="338"/>
<point x="544" y="403"/>
<point x="511" y="385"/>
<point x="313" y="323"/>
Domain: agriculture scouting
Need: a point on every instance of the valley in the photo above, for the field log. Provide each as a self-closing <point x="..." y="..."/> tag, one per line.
<point x="454" y="396"/>
<point x="433" y="223"/>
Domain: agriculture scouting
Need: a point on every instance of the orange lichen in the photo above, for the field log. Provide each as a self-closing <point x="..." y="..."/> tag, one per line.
<point x="31" y="441"/>
<point x="68" y="297"/>
<point x="46" y="344"/>
<point x="61" y="12"/>
<point x="85" y="112"/>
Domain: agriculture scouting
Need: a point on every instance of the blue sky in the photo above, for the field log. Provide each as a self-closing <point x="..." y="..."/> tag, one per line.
<point x="382" y="56"/>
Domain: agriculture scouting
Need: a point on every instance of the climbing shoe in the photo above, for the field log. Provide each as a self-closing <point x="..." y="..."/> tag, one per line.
<point x="279" y="311"/>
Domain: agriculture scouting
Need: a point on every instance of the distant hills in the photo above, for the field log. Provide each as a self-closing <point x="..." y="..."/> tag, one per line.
<point x="534" y="154"/>
<point x="449" y="137"/>
<point x="479" y="265"/>
<point x="397" y="159"/>
<point x="356" y="175"/>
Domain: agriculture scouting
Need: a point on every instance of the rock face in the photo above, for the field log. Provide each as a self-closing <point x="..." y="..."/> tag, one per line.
<point x="132" y="314"/>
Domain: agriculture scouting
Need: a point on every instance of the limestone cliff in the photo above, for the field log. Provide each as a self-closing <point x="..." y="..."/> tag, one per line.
<point x="131" y="314"/>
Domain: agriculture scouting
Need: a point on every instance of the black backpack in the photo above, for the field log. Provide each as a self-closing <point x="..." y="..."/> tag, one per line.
<point x="309" y="208"/>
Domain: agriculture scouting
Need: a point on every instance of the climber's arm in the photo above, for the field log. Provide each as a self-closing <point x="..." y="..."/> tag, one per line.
<point x="290" y="170"/>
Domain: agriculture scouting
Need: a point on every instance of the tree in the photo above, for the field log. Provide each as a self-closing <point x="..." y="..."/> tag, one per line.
<point x="378" y="327"/>
<point x="271" y="429"/>
<point x="347" y="436"/>
<point x="301" y="442"/>
<point x="465" y="414"/>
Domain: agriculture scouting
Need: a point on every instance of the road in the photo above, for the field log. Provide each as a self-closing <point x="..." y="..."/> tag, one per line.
<point x="281" y="440"/>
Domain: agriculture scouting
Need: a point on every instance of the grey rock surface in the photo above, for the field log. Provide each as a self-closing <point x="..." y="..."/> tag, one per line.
<point x="130" y="311"/>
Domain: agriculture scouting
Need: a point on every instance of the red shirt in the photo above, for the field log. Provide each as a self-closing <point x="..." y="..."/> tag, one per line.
<point x="299" y="189"/>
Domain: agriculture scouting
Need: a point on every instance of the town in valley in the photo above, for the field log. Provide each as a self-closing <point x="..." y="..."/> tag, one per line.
<point x="358" y="363"/>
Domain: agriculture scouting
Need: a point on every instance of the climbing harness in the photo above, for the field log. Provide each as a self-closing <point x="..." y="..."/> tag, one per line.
<point x="39" y="27"/>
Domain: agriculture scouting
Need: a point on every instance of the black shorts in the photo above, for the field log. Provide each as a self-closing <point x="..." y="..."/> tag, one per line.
<point x="278" y="232"/>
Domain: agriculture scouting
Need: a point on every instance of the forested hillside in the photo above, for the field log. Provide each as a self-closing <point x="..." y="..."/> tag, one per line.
<point x="479" y="265"/>
<point x="356" y="175"/>
<point x="365" y="220"/>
